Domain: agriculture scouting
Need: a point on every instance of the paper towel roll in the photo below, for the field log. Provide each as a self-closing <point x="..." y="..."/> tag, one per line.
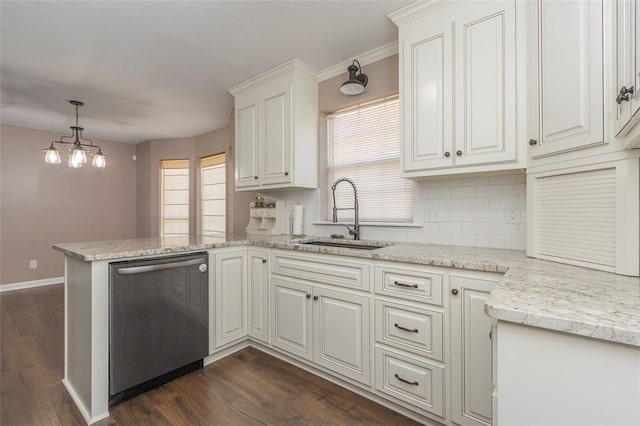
<point x="298" y="212"/>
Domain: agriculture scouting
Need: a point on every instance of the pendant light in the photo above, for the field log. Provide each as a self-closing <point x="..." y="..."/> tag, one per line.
<point x="78" y="155"/>
<point x="356" y="83"/>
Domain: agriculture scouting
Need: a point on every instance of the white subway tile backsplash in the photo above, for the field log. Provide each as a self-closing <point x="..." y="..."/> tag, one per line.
<point x="476" y="204"/>
<point x="475" y="228"/>
<point x="503" y="179"/>
<point x="489" y="216"/>
<point x="463" y="240"/>
<point x="515" y="243"/>
<point x="489" y="191"/>
<point x="463" y="192"/>
<point x="514" y="190"/>
<point x="463" y="216"/>
<point x="469" y="211"/>
<point x="493" y="241"/>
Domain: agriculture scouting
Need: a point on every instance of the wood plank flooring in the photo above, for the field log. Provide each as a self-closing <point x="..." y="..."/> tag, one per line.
<point x="247" y="388"/>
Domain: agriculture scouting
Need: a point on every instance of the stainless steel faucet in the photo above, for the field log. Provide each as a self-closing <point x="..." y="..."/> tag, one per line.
<point x="355" y="231"/>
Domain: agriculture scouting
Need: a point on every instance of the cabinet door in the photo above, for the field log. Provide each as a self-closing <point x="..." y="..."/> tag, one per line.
<point x="231" y="294"/>
<point x="427" y="92"/>
<point x="570" y="84"/>
<point x="341" y="333"/>
<point x="275" y="125"/>
<point x="258" y="290"/>
<point x="291" y="312"/>
<point x="247" y="150"/>
<point x="627" y="61"/>
<point x="485" y="82"/>
<point x="471" y="383"/>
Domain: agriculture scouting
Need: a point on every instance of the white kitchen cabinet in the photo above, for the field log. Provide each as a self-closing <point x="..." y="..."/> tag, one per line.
<point x="459" y="84"/>
<point x="567" y="76"/>
<point x="341" y="333"/>
<point x="471" y="362"/>
<point x="258" y="294"/>
<point x="291" y="308"/>
<point x="276" y="126"/>
<point x="326" y="326"/>
<point x="627" y="72"/>
<point x="230" y="296"/>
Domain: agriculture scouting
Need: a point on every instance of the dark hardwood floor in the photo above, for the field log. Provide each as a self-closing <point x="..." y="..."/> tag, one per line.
<point x="247" y="388"/>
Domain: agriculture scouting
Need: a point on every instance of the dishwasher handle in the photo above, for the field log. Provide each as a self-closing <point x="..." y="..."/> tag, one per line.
<point x="162" y="266"/>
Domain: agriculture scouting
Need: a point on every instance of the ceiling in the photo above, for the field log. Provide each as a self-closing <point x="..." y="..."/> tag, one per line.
<point x="161" y="69"/>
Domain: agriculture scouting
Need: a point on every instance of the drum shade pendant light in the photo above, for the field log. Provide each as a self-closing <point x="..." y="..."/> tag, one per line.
<point x="78" y="154"/>
<point x="356" y="83"/>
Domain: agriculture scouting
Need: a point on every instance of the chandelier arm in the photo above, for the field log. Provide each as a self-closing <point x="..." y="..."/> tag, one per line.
<point x="86" y="139"/>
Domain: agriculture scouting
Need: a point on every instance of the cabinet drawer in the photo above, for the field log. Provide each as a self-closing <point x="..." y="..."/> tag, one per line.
<point x="323" y="269"/>
<point x="409" y="328"/>
<point x="416" y="382"/>
<point x="412" y="284"/>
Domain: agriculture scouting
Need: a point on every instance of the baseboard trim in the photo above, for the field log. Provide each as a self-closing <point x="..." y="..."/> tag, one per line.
<point x="83" y="410"/>
<point x="30" y="284"/>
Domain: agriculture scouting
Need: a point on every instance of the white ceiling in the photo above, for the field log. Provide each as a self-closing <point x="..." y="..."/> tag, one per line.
<point x="160" y="69"/>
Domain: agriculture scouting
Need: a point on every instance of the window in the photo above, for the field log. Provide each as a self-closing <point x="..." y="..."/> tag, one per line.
<point x="174" y="194"/>
<point x="363" y="144"/>
<point x="213" y="192"/>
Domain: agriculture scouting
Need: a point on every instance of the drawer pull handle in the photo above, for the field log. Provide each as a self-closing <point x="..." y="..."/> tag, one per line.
<point x="398" y="283"/>
<point x="411" y="330"/>
<point x="406" y="381"/>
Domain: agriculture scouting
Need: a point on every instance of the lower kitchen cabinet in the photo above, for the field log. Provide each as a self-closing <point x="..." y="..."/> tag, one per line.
<point x="341" y="333"/>
<point x="230" y="296"/>
<point x="291" y="316"/>
<point x="326" y="326"/>
<point x="258" y="294"/>
<point x="471" y="381"/>
<point x="410" y="379"/>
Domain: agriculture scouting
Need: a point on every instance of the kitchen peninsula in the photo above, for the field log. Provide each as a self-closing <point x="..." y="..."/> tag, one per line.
<point x="535" y="305"/>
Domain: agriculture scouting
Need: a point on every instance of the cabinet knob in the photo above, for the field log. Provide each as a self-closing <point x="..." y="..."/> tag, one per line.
<point x="624" y="94"/>
<point x="454" y="291"/>
<point x="533" y="142"/>
<point x="447" y="154"/>
<point x="255" y="177"/>
<point x="315" y="297"/>
<point x="264" y="260"/>
<point x="458" y="153"/>
<point x="308" y="296"/>
<point x="286" y="173"/>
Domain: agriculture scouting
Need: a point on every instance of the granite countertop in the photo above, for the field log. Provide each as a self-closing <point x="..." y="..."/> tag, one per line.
<point x="533" y="292"/>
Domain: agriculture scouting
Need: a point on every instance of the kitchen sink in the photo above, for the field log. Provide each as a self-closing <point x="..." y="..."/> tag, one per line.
<point x="345" y="244"/>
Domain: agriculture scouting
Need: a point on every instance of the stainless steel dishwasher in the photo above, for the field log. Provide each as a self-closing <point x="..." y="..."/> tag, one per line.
<point x="158" y="321"/>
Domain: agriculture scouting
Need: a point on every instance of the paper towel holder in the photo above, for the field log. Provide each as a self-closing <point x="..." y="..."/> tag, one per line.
<point x="292" y="217"/>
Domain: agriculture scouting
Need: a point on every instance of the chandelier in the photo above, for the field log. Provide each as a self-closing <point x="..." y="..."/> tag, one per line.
<point x="78" y="153"/>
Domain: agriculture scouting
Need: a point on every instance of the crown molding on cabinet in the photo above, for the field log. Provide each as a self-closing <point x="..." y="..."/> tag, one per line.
<point x="366" y="58"/>
<point x="283" y="68"/>
<point x="415" y="10"/>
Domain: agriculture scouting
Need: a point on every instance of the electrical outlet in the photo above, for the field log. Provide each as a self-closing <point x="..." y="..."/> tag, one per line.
<point x="512" y="216"/>
<point x="431" y="216"/>
<point x="33" y="264"/>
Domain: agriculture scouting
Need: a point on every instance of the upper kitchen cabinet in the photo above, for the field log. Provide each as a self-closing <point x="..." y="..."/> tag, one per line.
<point x="568" y="90"/>
<point x="627" y="73"/>
<point x="462" y="86"/>
<point x="276" y="129"/>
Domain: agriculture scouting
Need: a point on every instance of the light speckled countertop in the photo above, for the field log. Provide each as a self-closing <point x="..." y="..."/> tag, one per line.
<point x="534" y="292"/>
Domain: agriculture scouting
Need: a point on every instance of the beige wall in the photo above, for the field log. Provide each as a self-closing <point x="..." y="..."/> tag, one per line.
<point x="150" y="153"/>
<point x="43" y="204"/>
<point x="216" y="142"/>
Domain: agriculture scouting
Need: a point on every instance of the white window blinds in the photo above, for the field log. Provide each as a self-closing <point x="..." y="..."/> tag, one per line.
<point x="213" y="192"/>
<point x="174" y="191"/>
<point x="363" y="144"/>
